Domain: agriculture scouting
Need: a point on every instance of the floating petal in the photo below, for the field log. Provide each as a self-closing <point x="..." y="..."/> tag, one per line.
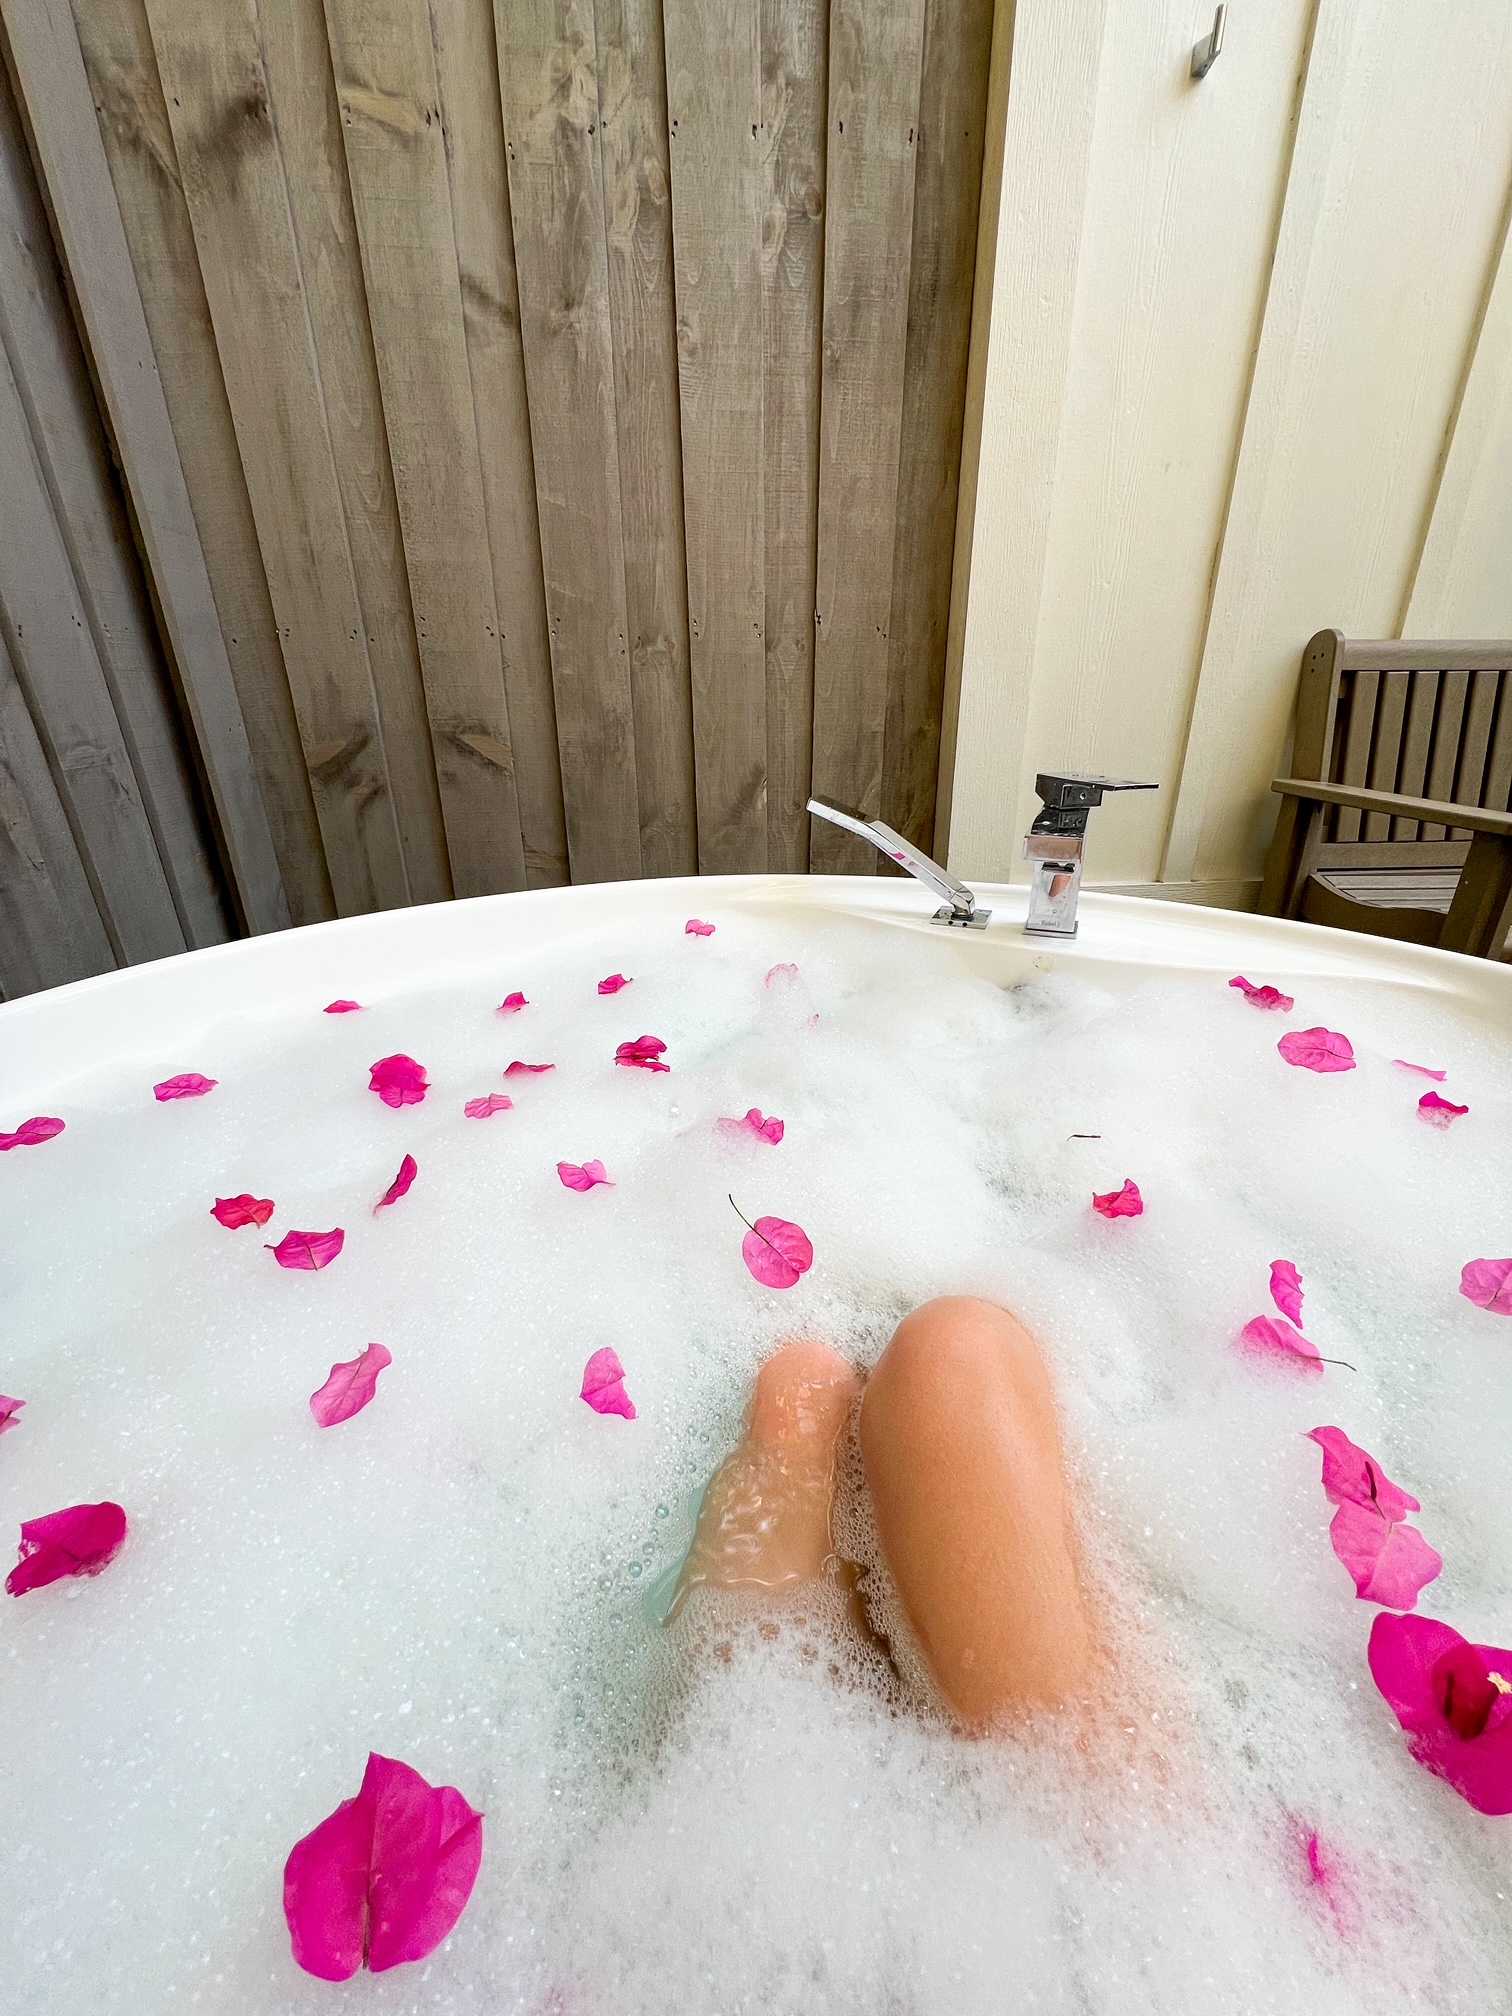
<point x="385" y="1878"/>
<point x="342" y="1008"/>
<point x="1263" y="997"/>
<point x="1389" y="1562"/>
<point x="781" y="976"/>
<point x="613" y="984"/>
<point x="484" y="1109"/>
<point x="308" y="1250"/>
<point x="511" y="1004"/>
<point x="9" y="1409"/>
<point x="399" y="1081"/>
<point x="754" y="1123"/>
<point x="31" y="1133"/>
<point x="1488" y="1284"/>
<point x="1351" y="1477"/>
<point x="582" y="1176"/>
<point x="696" y="928"/>
<point x="1124" y="1203"/>
<point x="187" y="1085"/>
<point x="1273" y="1337"/>
<point x="1422" y="1070"/>
<point x="1439" y="1112"/>
<point x="604" y="1385"/>
<point x="777" y="1252"/>
<point x="519" y="1070"/>
<point x="409" y="1169"/>
<point x="350" y="1386"/>
<point x="645" y="1053"/>
<point x="1286" y="1289"/>
<point x="234" y="1212"/>
<point x="1317" y="1050"/>
<point x="1454" y="1699"/>
<point x="80" y="1540"/>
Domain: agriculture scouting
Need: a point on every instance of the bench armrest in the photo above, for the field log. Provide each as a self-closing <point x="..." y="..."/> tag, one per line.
<point x="1432" y="811"/>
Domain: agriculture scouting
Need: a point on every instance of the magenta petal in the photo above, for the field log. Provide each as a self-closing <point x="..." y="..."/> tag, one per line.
<point x="1263" y="997"/>
<point x="519" y="1070"/>
<point x="779" y="976"/>
<point x="1274" y="1338"/>
<point x="754" y="1123"/>
<point x="187" y="1085"/>
<point x="1422" y="1070"/>
<point x="645" y="1053"/>
<point x="308" y="1250"/>
<point x="1454" y="1699"/>
<point x="511" y="1004"/>
<point x="604" y="1385"/>
<point x="9" y="1409"/>
<point x="342" y="1008"/>
<point x="696" y="928"/>
<point x="399" y="1081"/>
<point x="777" y="1252"/>
<point x="31" y="1133"/>
<point x="1439" y="1112"/>
<point x="350" y="1386"/>
<point x="1488" y="1284"/>
<point x="326" y="1892"/>
<point x="1286" y="1289"/>
<point x="1351" y="1477"/>
<point x="409" y="1169"/>
<point x="1124" y="1203"/>
<point x="613" y="984"/>
<point x="234" y="1212"/>
<point x="80" y="1540"/>
<point x="1389" y="1563"/>
<point x="1317" y="1050"/>
<point x="584" y="1176"/>
<point x="484" y="1109"/>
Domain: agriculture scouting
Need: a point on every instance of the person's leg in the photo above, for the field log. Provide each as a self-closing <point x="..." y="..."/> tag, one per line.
<point x="962" y="1450"/>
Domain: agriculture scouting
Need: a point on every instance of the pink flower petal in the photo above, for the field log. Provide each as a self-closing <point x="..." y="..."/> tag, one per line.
<point x="1351" y="1477"/>
<point x="777" y="1252"/>
<point x="604" y="1385"/>
<point x="1454" y="1699"/>
<point x="234" y="1212"/>
<point x="485" y="1108"/>
<point x="385" y="1877"/>
<point x="696" y="928"/>
<point x="584" y="1176"/>
<point x="399" y="1081"/>
<point x="781" y="976"/>
<point x="754" y="1123"/>
<point x="31" y="1133"/>
<point x="1286" y="1289"/>
<point x="1327" y="1877"/>
<point x="350" y="1386"/>
<point x="519" y="1070"/>
<point x="343" y="1008"/>
<point x="1422" y="1070"/>
<point x="9" y="1409"/>
<point x="1124" y="1203"/>
<point x="613" y="984"/>
<point x="308" y="1250"/>
<point x="409" y="1169"/>
<point x="1263" y="997"/>
<point x="645" y="1053"/>
<point x="1272" y="1337"/>
<point x="1389" y="1562"/>
<point x="511" y="1004"/>
<point x="1317" y="1050"/>
<point x="187" y="1085"/>
<point x="1439" y="1112"/>
<point x="1488" y="1284"/>
<point x="80" y="1540"/>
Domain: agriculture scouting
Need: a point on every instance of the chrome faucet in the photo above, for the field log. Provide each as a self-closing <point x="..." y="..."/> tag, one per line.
<point x="960" y="906"/>
<point x="1054" y="843"/>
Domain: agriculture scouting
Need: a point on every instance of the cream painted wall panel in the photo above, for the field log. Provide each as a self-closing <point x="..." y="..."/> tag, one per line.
<point x="1393" y="213"/>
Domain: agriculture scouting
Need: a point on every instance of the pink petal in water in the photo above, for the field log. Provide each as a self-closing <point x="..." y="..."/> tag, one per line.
<point x="31" y="1133"/>
<point x="582" y="1176"/>
<point x="776" y="1251"/>
<point x="80" y="1540"/>
<point x="1389" y="1562"/>
<point x="187" y="1085"/>
<point x="1454" y="1699"/>
<point x="1317" y="1050"/>
<point x="781" y="976"/>
<point x="754" y="1123"/>
<point x="1422" y="1070"/>
<point x="1286" y="1289"/>
<point x="613" y="984"/>
<point x="696" y="928"/>
<point x="409" y="1169"/>
<point x="1488" y="1284"/>
<point x="1124" y="1203"/>
<point x="309" y="1251"/>
<point x="604" y="1385"/>
<point x="385" y="1877"/>
<point x="511" y="1004"/>
<point x="350" y="1386"/>
<point x="1273" y="1338"/>
<point x="1439" y="1112"/>
<point x="9" y="1409"/>
<point x="645" y="1053"/>
<point x="485" y="1108"/>
<point x="1351" y="1477"/>
<point x="1326" y="1876"/>
<point x="399" y="1081"/>
<point x="1263" y="997"/>
<point x="234" y="1212"/>
<point x="343" y="1008"/>
<point x="519" y="1070"/>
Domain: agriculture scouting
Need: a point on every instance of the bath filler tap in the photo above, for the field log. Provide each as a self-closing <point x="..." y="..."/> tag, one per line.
<point x="960" y="905"/>
<point x="1053" y="847"/>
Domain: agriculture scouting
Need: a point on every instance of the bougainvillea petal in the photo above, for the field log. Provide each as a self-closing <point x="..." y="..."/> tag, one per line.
<point x="350" y="1386"/>
<point x="613" y="984"/>
<point x="79" y="1540"/>
<point x="309" y="1251"/>
<point x="1439" y="1112"/>
<point x="1286" y="1289"/>
<point x="1263" y="997"/>
<point x="582" y="1176"/>
<point x="1353" y="1477"/>
<point x="645" y="1053"/>
<point x="32" y="1133"/>
<point x="755" y="1122"/>
<point x="9" y="1409"/>
<point x="1389" y="1562"/>
<point x="409" y="1169"/>
<point x="485" y="1108"/>
<point x="511" y="1004"/>
<point x="519" y="1070"/>
<point x="1454" y="1699"/>
<point x="399" y="1081"/>
<point x="604" y="1385"/>
<point x="383" y="1879"/>
<point x="1422" y="1070"/>
<point x="234" y="1212"/>
<point x="1124" y="1203"/>
<point x="342" y="1008"/>
<point x="187" y="1085"/>
<point x="1274" y="1338"/>
<point x="1488" y="1284"/>
<point x="1317" y="1050"/>
<point x="781" y="976"/>
<point x="696" y="928"/>
<point x="777" y="1252"/>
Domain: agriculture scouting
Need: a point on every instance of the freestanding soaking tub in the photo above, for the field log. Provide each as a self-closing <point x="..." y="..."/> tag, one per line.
<point x="459" y="1566"/>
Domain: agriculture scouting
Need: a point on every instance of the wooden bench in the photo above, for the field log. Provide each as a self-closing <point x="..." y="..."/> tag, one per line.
<point x="1395" y="817"/>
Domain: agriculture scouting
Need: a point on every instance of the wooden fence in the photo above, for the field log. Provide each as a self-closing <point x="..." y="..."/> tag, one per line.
<point x="553" y="408"/>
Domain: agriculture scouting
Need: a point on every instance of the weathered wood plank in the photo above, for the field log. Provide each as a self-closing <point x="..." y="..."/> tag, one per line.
<point x="467" y="70"/>
<point x="794" y="110"/>
<point x="45" y="53"/>
<point x="549" y="93"/>
<point x="1498" y="785"/>
<point x="396" y="160"/>
<point x="714" y="107"/>
<point x="1417" y="740"/>
<point x="947" y="186"/>
<point x="1454" y="689"/>
<point x="875" y="56"/>
<point x="1354" y="765"/>
<point x="226" y="143"/>
<point x="1391" y="715"/>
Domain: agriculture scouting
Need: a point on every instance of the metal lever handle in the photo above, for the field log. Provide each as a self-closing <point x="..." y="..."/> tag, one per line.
<point x="961" y="903"/>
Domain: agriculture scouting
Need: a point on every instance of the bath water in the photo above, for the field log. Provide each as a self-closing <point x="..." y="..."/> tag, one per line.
<point x="740" y="1813"/>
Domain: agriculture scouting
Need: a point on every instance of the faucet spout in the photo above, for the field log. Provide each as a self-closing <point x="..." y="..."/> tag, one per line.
<point x="960" y="905"/>
<point x="1054" y="843"/>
